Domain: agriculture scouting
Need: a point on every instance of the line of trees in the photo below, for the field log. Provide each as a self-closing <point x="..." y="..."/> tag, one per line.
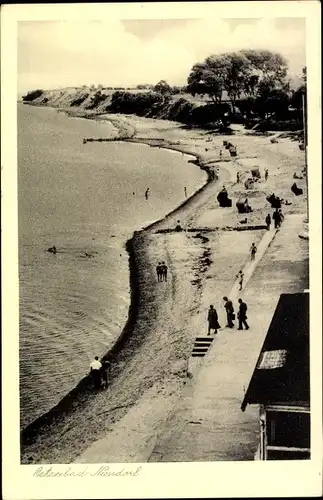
<point x="254" y="82"/>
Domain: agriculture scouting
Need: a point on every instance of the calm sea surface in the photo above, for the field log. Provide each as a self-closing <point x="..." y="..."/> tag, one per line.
<point x="84" y="199"/>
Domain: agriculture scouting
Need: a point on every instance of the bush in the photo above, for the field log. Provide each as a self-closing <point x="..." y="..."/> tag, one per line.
<point x="275" y="125"/>
<point x="32" y="95"/>
<point x="96" y="100"/>
<point x="80" y="100"/>
<point x="181" y="111"/>
<point x="211" y="113"/>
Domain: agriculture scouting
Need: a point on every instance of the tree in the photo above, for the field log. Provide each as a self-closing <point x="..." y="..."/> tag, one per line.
<point x="266" y="71"/>
<point x="162" y="87"/>
<point x="247" y="72"/>
<point x="206" y="79"/>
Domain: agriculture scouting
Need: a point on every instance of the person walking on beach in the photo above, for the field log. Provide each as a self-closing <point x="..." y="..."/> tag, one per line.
<point x="147" y="193"/>
<point x="253" y="251"/>
<point x="266" y="174"/>
<point x="240" y="276"/>
<point x="105" y="370"/>
<point x="164" y="270"/>
<point x="277" y="219"/>
<point x="159" y="271"/>
<point x="228" y="306"/>
<point x="95" y="371"/>
<point x="185" y="191"/>
<point x="242" y="315"/>
<point x="212" y="318"/>
<point x="268" y="221"/>
<point x="238" y="177"/>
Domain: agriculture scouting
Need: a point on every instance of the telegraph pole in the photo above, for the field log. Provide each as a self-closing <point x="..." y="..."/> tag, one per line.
<point x="305" y="150"/>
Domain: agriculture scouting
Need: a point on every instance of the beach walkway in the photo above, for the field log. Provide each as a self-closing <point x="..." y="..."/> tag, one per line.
<point x="208" y="424"/>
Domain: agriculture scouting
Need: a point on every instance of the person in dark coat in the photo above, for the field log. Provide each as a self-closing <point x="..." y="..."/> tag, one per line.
<point x="163" y="271"/>
<point x="277" y="219"/>
<point x="105" y="370"/>
<point x="212" y="318"/>
<point x="281" y="216"/>
<point x="268" y="221"/>
<point x="159" y="271"/>
<point x="230" y="312"/>
<point x="242" y="315"/>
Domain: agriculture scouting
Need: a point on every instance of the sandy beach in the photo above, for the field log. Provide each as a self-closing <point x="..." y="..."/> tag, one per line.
<point x="150" y="363"/>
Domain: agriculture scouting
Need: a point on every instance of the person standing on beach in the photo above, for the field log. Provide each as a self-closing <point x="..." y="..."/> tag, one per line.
<point x="228" y="306"/>
<point x="281" y="216"/>
<point x="185" y="192"/>
<point x="238" y="177"/>
<point x="147" y="193"/>
<point x="105" y="370"/>
<point x="253" y="251"/>
<point x="240" y="276"/>
<point x="212" y="319"/>
<point x="159" y="271"/>
<point x="266" y="174"/>
<point x="242" y="315"/>
<point x="95" y="371"/>
<point x="277" y="219"/>
<point x="164" y="270"/>
<point x="268" y="221"/>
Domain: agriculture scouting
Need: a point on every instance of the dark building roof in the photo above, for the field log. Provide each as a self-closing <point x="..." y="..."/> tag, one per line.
<point x="281" y="374"/>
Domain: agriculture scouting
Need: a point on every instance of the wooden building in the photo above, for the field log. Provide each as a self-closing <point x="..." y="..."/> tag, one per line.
<point x="280" y="383"/>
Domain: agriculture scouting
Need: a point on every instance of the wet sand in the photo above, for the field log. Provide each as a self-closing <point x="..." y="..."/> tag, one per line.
<point x="150" y="364"/>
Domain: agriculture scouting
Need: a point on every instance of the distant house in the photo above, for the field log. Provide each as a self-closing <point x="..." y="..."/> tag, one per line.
<point x="280" y="383"/>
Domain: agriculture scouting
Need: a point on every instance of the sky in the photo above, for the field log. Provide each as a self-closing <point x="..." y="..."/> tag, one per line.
<point x="130" y="52"/>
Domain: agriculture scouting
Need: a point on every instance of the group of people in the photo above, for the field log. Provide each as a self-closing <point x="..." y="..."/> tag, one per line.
<point x="99" y="373"/>
<point x="278" y="218"/>
<point x="213" y="320"/>
<point x="161" y="270"/>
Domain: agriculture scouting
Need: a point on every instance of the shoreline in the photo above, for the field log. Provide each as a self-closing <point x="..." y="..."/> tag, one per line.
<point x="84" y="386"/>
<point x="136" y="341"/>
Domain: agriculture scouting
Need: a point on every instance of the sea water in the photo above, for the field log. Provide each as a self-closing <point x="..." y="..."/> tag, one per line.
<point x="86" y="199"/>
